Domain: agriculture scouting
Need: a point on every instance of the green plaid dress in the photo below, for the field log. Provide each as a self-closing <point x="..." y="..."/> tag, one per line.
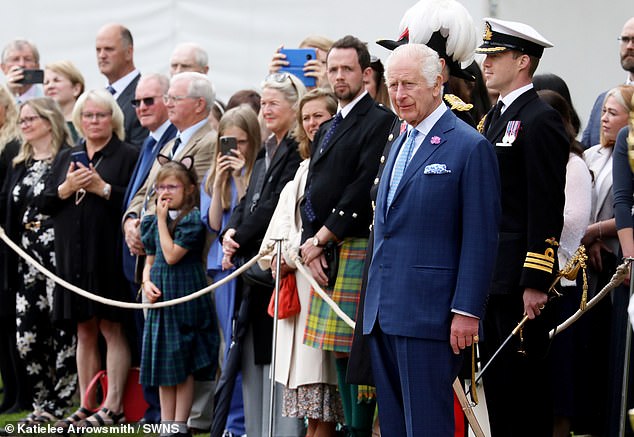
<point x="324" y="329"/>
<point x="182" y="339"/>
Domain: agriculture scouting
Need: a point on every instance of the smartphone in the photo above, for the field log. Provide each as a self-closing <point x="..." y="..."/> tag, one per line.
<point x="296" y="59"/>
<point x="227" y="144"/>
<point x="32" y="76"/>
<point x="80" y="157"/>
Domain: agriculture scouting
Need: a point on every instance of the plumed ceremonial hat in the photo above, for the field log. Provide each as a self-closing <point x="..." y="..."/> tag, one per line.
<point x="444" y="26"/>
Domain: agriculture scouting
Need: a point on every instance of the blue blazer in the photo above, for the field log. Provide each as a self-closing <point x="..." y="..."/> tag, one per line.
<point x="435" y="247"/>
<point x="129" y="261"/>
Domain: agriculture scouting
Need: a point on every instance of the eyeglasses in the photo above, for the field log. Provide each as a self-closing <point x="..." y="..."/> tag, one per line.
<point x="625" y="40"/>
<point x="170" y="188"/>
<point x="280" y="77"/>
<point x="99" y="116"/>
<point x="147" y="101"/>
<point x="28" y="120"/>
<point x="167" y="99"/>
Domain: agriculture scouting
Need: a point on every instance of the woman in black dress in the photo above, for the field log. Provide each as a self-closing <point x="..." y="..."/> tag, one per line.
<point x="46" y="351"/>
<point x="16" y="390"/>
<point x="85" y="196"/>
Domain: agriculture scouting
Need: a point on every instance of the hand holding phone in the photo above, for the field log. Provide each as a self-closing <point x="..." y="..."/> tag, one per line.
<point x="80" y="157"/>
<point x="297" y="59"/>
<point x="227" y="145"/>
<point x="30" y="76"/>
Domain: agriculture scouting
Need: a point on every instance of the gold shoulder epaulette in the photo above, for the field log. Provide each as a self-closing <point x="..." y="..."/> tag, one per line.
<point x="456" y="103"/>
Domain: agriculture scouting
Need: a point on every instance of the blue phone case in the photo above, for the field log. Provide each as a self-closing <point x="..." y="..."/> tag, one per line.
<point x="297" y="58"/>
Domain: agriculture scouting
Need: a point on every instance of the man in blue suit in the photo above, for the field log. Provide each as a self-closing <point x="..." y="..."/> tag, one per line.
<point x="435" y="229"/>
<point x="152" y="114"/>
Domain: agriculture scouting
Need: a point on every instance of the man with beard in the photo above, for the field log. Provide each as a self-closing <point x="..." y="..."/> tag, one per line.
<point x="337" y="211"/>
<point x="626" y="53"/>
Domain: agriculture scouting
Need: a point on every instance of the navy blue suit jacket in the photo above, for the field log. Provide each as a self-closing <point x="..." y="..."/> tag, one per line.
<point x="434" y="248"/>
<point x="129" y="260"/>
<point x="592" y="133"/>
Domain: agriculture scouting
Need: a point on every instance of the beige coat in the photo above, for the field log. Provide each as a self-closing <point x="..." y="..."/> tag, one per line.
<point x="202" y="146"/>
<point x="296" y="364"/>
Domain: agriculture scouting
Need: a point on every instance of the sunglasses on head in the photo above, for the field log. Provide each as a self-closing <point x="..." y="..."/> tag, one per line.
<point x="147" y="101"/>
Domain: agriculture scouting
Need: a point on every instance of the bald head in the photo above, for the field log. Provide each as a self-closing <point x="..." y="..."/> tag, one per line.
<point x="115" y="51"/>
<point x="189" y="56"/>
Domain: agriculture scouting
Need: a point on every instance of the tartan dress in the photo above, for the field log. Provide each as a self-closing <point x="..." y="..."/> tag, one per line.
<point x="182" y="339"/>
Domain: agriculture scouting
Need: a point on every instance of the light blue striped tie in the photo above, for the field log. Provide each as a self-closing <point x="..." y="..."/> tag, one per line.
<point x="401" y="165"/>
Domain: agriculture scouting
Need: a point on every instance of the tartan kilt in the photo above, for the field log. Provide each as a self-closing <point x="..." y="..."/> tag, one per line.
<point x="324" y="329"/>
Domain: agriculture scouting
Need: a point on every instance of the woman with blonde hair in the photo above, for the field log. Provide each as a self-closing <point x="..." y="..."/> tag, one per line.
<point x="64" y="83"/>
<point x="16" y="395"/>
<point x="46" y="350"/>
<point x="601" y="236"/>
<point x="307" y="373"/>
<point x="84" y="195"/>
<point x="223" y="187"/>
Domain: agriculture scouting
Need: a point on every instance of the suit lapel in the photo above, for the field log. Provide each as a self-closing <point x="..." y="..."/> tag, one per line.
<point x="277" y="158"/>
<point x="360" y="109"/>
<point x="427" y="149"/>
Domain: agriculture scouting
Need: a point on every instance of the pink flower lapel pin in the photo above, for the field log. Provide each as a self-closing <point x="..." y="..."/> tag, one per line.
<point x="435" y="140"/>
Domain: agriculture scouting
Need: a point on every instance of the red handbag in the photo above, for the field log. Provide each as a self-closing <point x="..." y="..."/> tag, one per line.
<point x="288" y="299"/>
<point x="134" y="404"/>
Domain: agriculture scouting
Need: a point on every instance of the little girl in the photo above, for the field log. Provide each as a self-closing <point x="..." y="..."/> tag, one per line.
<point x="178" y="340"/>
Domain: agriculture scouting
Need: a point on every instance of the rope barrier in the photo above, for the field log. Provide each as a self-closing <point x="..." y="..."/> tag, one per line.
<point x="130" y="305"/>
<point x="133" y="305"/>
<point x="302" y="269"/>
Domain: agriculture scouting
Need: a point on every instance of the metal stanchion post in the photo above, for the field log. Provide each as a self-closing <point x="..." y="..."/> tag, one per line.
<point x="623" y="417"/>
<point x="278" y="266"/>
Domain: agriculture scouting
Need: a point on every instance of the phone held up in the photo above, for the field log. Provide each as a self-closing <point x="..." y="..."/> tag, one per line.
<point x="32" y="76"/>
<point x="227" y="144"/>
<point x="80" y="157"/>
<point x="296" y="59"/>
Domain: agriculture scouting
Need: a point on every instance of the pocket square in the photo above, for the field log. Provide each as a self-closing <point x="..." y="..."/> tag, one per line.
<point x="436" y="169"/>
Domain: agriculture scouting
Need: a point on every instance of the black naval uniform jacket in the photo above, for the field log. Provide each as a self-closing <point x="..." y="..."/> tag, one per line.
<point x="532" y="174"/>
<point x="340" y="176"/>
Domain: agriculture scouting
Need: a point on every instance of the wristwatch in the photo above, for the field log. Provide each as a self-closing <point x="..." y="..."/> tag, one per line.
<point x="315" y="241"/>
<point x="106" y="191"/>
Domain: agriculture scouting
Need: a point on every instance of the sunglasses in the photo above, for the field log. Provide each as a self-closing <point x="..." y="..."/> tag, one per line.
<point x="281" y="77"/>
<point x="147" y="101"/>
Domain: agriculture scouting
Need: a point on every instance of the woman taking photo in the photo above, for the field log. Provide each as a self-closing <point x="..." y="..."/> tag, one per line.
<point x="308" y="374"/>
<point x="46" y="351"/>
<point x="84" y="196"/>
<point x="222" y="189"/>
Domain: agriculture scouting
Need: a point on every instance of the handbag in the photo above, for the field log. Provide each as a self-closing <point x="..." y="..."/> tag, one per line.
<point x="134" y="404"/>
<point x="288" y="299"/>
<point x="254" y="275"/>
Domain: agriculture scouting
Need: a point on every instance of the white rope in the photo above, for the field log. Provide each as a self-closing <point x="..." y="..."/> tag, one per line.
<point x="294" y="256"/>
<point x="617" y="279"/>
<point x="131" y="305"/>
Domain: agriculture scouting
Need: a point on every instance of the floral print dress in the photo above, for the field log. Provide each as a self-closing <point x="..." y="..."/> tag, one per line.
<point x="46" y="351"/>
